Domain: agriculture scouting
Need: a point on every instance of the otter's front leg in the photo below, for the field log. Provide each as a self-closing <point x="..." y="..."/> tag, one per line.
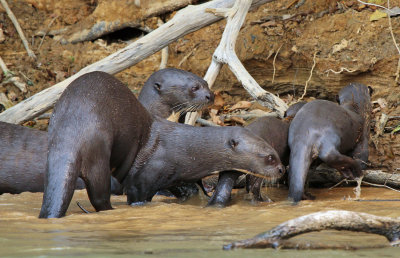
<point x="222" y="193"/>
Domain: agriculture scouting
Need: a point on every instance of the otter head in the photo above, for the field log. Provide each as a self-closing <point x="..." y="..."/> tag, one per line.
<point x="178" y="90"/>
<point x="357" y="97"/>
<point x="293" y="109"/>
<point x="252" y="155"/>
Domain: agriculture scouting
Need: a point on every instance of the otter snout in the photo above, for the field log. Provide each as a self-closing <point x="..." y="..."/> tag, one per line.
<point x="210" y="97"/>
<point x="281" y="169"/>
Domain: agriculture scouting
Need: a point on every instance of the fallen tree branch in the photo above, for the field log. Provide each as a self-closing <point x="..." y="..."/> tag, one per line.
<point x="327" y="175"/>
<point x="206" y="122"/>
<point x="185" y="21"/>
<point x="225" y="54"/>
<point x="18" y="28"/>
<point x="384" y="186"/>
<point x="335" y="219"/>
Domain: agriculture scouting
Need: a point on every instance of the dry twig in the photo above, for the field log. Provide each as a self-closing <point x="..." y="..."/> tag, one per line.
<point x="342" y="69"/>
<point x="273" y="63"/>
<point x="18" y="28"/>
<point x="11" y="78"/>
<point x="45" y="32"/>
<point x="378" y="185"/>
<point x="309" y="78"/>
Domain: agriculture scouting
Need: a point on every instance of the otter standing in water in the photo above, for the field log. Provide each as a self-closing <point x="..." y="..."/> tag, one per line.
<point x="336" y="134"/>
<point x="88" y="140"/>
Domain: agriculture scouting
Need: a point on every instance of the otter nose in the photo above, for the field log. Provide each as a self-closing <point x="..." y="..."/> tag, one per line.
<point x="281" y="170"/>
<point x="210" y="97"/>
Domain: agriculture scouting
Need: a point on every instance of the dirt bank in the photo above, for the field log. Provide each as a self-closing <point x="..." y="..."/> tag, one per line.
<point x="339" y="33"/>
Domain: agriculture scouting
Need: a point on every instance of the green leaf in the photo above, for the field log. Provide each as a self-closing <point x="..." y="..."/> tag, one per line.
<point x="395" y="130"/>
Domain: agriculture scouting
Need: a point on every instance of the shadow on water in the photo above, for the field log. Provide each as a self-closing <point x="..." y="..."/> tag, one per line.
<point x="168" y="228"/>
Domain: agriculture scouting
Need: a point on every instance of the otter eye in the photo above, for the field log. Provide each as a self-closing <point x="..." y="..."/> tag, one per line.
<point x="270" y="159"/>
<point x="195" y="88"/>
<point x="157" y="85"/>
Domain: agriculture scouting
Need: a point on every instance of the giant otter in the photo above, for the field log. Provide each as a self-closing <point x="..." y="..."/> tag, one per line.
<point x="275" y="132"/>
<point x="336" y="134"/>
<point x="98" y="126"/>
<point x="177" y="153"/>
<point x="23" y="151"/>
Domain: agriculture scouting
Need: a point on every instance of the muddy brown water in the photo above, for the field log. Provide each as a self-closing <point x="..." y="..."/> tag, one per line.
<point x="166" y="228"/>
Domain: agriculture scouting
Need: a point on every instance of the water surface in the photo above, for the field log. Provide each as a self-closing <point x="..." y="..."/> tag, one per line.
<point x="167" y="228"/>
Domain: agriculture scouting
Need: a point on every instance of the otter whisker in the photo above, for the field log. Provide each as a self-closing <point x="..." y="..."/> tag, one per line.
<point x="253" y="174"/>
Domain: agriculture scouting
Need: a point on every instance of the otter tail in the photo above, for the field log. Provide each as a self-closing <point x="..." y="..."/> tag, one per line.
<point x="300" y="161"/>
<point x="62" y="172"/>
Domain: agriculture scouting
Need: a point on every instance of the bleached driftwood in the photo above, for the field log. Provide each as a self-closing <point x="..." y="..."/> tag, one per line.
<point x="184" y="22"/>
<point x="18" y="28"/>
<point x="335" y="219"/>
<point x="225" y="54"/>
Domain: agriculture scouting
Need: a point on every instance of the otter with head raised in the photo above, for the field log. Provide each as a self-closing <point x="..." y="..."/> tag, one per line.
<point x="98" y="126"/>
<point x="23" y="151"/>
<point x="173" y="90"/>
<point x="336" y="134"/>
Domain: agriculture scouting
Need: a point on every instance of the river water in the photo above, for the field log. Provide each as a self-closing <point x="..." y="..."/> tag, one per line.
<point x="167" y="228"/>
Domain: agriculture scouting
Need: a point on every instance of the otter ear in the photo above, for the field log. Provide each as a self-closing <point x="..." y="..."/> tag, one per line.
<point x="157" y="86"/>
<point x="233" y="143"/>
<point x="370" y="90"/>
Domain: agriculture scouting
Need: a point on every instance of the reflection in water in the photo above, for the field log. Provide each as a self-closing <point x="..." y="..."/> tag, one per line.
<point x="168" y="228"/>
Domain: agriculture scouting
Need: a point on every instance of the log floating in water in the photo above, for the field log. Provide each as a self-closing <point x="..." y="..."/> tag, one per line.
<point x="335" y="219"/>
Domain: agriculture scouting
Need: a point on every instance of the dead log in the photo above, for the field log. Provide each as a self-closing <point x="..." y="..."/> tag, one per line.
<point x="18" y="28"/>
<point x="225" y="54"/>
<point x="185" y="21"/>
<point x="335" y="219"/>
<point x="324" y="175"/>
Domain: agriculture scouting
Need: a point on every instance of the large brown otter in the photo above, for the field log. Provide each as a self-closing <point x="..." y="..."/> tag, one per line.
<point x="338" y="135"/>
<point x="98" y="126"/>
<point x="23" y="151"/>
<point x="275" y="132"/>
